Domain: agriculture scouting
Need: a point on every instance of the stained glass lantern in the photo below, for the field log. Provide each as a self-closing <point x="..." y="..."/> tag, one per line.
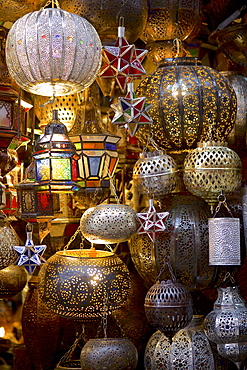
<point x="53" y="52"/>
<point x="56" y="159"/>
<point x="188" y="99"/>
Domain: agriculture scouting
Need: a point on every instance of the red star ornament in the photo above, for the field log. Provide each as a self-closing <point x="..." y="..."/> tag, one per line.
<point x="122" y="61"/>
<point x="152" y="223"/>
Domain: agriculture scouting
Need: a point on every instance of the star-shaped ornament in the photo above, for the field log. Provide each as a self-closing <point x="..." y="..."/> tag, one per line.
<point x="131" y="111"/>
<point x="30" y="255"/>
<point x="121" y="61"/>
<point x="152" y="223"/>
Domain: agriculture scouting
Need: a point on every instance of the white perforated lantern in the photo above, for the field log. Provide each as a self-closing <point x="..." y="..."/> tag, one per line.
<point x="53" y="52"/>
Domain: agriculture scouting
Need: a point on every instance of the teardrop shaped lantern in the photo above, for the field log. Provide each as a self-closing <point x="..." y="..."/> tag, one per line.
<point x="53" y="52"/>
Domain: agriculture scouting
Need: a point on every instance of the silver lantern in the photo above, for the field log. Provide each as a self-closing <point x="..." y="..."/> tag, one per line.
<point x="224" y="241"/>
<point x="226" y="325"/>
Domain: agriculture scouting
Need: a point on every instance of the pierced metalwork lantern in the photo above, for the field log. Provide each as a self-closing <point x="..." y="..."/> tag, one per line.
<point x="187" y="100"/>
<point x="53" y="52"/>
<point x="226" y="325"/>
<point x="8" y="238"/>
<point x="74" y="283"/>
<point x="56" y="159"/>
<point x="12" y="280"/>
<point x="210" y="169"/>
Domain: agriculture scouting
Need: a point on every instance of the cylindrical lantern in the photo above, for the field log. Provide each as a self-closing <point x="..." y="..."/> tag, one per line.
<point x="210" y="169"/>
<point x="186" y="99"/>
<point x="12" y="280"/>
<point x="53" y="52"/>
<point x="224" y="241"/>
<point x="109" y="353"/>
<point x="8" y="238"/>
<point x="74" y="283"/>
<point x="109" y="223"/>
<point x="190" y="349"/>
<point x="155" y="174"/>
<point x="226" y="325"/>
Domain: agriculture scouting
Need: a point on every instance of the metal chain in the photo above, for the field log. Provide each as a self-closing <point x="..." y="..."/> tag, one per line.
<point x="113" y="188"/>
<point x="71" y="350"/>
<point x="72" y="238"/>
<point x="53" y="3"/>
<point x="103" y="321"/>
<point x="167" y="264"/>
<point x="222" y="200"/>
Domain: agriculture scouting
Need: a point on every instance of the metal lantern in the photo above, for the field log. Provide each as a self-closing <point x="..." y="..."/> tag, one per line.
<point x="12" y="280"/>
<point x="210" y="169"/>
<point x="155" y="173"/>
<point x="8" y="238"/>
<point x="56" y="159"/>
<point x="109" y="223"/>
<point x="168" y="307"/>
<point x="53" y="52"/>
<point x="226" y="325"/>
<point x="105" y="17"/>
<point x="190" y="349"/>
<point x="74" y="283"/>
<point x="109" y="353"/>
<point x="186" y="99"/>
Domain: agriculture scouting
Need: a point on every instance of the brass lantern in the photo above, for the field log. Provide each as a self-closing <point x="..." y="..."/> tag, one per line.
<point x="56" y="160"/>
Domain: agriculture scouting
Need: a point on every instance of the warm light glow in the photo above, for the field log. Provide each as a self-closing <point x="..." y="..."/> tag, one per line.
<point x="2" y="332"/>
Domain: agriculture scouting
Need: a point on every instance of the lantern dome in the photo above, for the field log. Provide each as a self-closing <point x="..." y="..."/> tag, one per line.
<point x="53" y="52"/>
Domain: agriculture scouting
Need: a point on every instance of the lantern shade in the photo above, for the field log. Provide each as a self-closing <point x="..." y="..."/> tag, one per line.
<point x="53" y="52"/>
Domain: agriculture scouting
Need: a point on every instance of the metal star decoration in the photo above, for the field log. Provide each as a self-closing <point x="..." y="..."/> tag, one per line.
<point x="152" y="223"/>
<point x="131" y="111"/>
<point x="30" y="255"/>
<point x="122" y="61"/>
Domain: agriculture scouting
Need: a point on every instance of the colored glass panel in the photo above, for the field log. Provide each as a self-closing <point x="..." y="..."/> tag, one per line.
<point x="112" y="165"/>
<point x="42" y="169"/>
<point x="93" y="145"/>
<point x="94" y="163"/>
<point x="61" y="169"/>
<point x="110" y="146"/>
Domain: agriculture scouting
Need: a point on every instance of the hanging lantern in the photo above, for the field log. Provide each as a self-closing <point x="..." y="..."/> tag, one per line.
<point x="56" y="159"/>
<point x="210" y="169"/>
<point x="12" y="280"/>
<point x="155" y="174"/>
<point x="52" y="52"/>
<point x="162" y="49"/>
<point x="168" y="306"/>
<point x="226" y="325"/>
<point x="109" y="353"/>
<point x="186" y="98"/>
<point x="190" y="349"/>
<point x="8" y="238"/>
<point x="73" y="283"/>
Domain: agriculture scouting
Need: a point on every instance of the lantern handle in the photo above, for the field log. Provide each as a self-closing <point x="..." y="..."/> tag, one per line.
<point x="71" y="350"/>
<point x="53" y="3"/>
<point x="170" y="269"/>
<point x="222" y="200"/>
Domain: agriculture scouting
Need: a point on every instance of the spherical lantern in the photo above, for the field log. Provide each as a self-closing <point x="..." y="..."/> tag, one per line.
<point x="168" y="307"/>
<point x="226" y="325"/>
<point x="109" y="223"/>
<point x="188" y="99"/>
<point x="12" y="280"/>
<point x="190" y="349"/>
<point x="74" y="283"/>
<point x="155" y="174"/>
<point x="210" y="169"/>
<point x="53" y="52"/>
<point x="8" y="239"/>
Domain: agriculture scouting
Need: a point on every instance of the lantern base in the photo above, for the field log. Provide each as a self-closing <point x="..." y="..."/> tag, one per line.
<point x="57" y="186"/>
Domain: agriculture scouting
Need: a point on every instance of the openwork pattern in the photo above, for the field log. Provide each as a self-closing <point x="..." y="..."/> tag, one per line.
<point x="109" y="223"/>
<point x="190" y="349"/>
<point x="12" y="280"/>
<point x="168" y="307"/>
<point x="211" y="169"/>
<point x="109" y="353"/>
<point x="189" y="101"/>
<point x="155" y="174"/>
<point x="53" y="52"/>
<point x="8" y="239"/>
<point x="74" y="283"/>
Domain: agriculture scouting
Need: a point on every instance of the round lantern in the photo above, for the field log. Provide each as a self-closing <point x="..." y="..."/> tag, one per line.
<point x="190" y="349"/>
<point x="210" y="169"/>
<point x="109" y="223"/>
<point x="168" y="307"/>
<point x="155" y="174"/>
<point x="185" y="240"/>
<point x="53" y="52"/>
<point x="226" y="325"/>
<point x="188" y="100"/>
<point x="8" y="239"/>
<point x="74" y="283"/>
<point x="109" y="353"/>
<point x="12" y="280"/>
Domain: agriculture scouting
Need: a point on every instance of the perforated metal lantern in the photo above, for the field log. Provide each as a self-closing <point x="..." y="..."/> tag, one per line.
<point x="210" y="169"/>
<point x="168" y="307"/>
<point x="8" y="238"/>
<point x="187" y="98"/>
<point x="109" y="223"/>
<point x="109" y="353"/>
<point x="74" y="283"/>
<point x="53" y="52"/>
<point x="226" y="325"/>
<point x="12" y="280"/>
<point x="155" y="173"/>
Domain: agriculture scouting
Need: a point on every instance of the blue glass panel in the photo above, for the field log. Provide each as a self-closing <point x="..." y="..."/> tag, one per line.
<point x="94" y="163"/>
<point x="110" y="146"/>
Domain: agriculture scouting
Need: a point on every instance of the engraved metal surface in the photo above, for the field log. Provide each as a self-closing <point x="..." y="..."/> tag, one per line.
<point x="8" y="239"/>
<point x="12" y="280"/>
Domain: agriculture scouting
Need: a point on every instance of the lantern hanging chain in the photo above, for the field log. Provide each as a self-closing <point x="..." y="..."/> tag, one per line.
<point x="53" y="3"/>
<point x="222" y="200"/>
<point x="103" y="321"/>
<point x="73" y="238"/>
<point x="113" y="188"/>
<point x="151" y="141"/>
<point x="71" y="350"/>
<point x="119" y="326"/>
<point x="170" y="269"/>
<point x="228" y="277"/>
